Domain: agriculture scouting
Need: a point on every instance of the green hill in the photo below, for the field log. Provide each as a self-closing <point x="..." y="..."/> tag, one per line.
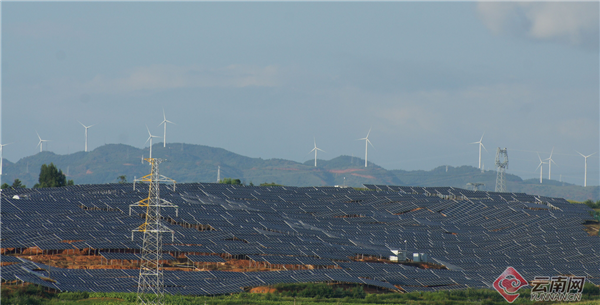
<point x="199" y="163"/>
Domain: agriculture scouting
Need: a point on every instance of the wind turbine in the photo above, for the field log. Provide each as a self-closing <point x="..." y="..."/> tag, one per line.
<point x="41" y="142"/>
<point x="86" y="134"/>
<point x="480" y="146"/>
<point x="550" y="161"/>
<point x="1" y="155"/>
<point x="367" y="142"/>
<point x="585" y="171"/>
<point x="541" y="167"/>
<point x="165" y="121"/>
<point x="150" y="139"/>
<point x="315" y="150"/>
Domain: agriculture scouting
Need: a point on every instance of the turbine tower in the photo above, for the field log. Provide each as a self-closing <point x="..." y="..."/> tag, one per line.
<point x="41" y="142"/>
<point x="165" y="121"/>
<point x="150" y="139"/>
<point x="2" y="155"/>
<point x="367" y="142"/>
<point x="315" y="150"/>
<point x="151" y="281"/>
<point x="585" y="170"/>
<point x="502" y="165"/>
<point x="550" y="161"/>
<point x="541" y="167"/>
<point x="86" y="134"/>
<point x="480" y="146"/>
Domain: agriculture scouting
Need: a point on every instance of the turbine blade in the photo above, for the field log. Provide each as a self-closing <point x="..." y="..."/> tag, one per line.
<point x="483" y="146"/>
<point x="370" y="143"/>
<point x="368" y="133"/>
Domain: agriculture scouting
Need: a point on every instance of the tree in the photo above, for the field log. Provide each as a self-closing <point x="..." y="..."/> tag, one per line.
<point x="231" y="181"/>
<point x="122" y="179"/>
<point x="18" y="184"/>
<point x="270" y="184"/>
<point x="50" y="176"/>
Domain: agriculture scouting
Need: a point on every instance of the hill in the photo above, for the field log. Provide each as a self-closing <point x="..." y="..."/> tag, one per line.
<point x="199" y="163"/>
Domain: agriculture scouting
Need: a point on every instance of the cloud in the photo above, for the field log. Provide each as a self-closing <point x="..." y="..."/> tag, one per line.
<point x="574" y="23"/>
<point x="162" y="77"/>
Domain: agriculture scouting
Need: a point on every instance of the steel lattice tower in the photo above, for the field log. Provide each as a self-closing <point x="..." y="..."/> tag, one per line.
<point x="151" y="283"/>
<point x="502" y="165"/>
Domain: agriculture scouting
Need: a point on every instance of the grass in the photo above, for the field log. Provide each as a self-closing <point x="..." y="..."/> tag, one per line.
<point x="286" y="294"/>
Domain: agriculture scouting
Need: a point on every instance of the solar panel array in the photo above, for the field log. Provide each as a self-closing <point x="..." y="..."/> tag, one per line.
<point x="475" y="234"/>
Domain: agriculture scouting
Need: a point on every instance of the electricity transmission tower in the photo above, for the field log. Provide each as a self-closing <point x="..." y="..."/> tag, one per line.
<point x="151" y="282"/>
<point x="502" y="165"/>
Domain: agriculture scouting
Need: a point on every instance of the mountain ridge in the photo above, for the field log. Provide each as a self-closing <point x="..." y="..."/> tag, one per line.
<point x="199" y="163"/>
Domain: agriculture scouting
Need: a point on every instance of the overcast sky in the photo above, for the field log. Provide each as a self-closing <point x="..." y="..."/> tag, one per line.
<point x="263" y="79"/>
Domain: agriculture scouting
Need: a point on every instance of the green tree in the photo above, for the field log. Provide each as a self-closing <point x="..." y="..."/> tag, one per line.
<point x="50" y="176"/>
<point x="122" y="179"/>
<point x="18" y="184"/>
<point x="270" y="184"/>
<point x="231" y="181"/>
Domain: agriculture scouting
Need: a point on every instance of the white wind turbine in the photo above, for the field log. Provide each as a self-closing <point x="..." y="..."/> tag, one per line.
<point x="550" y="161"/>
<point x="41" y="142"/>
<point x="315" y="150"/>
<point x="541" y="167"/>
<point x="367" y="142"/>
<point x="1" y="155"/>
<point x="86" y="134"/>
<point x="165" y="121"/>
<point x="480" y="146"/>
<point x="585" y="170"/>
<point x="150" y="139"/>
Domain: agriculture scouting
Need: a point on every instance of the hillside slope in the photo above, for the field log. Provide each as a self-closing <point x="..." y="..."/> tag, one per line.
<point x="199" y="163"/>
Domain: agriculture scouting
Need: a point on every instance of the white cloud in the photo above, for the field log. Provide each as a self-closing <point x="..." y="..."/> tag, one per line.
<point x="573" y="23"/>
<point x="161" y="77"/>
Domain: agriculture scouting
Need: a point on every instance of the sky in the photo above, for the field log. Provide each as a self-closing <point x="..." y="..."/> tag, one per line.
<point x="266" y="79"/>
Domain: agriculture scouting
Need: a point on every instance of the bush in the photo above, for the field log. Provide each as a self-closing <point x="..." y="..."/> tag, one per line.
<point x="591" y="204"/>
<point x="74" y="295"/>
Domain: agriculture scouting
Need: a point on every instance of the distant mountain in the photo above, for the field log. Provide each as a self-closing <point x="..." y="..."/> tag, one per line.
<point x="199" y="163"/>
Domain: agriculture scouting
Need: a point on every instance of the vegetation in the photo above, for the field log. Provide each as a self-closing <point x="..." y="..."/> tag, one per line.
<point x="122" y="179"/>
<point x="50" y="176"/>
<point x="303" y="293"/>
<point x="198" y="163"/>
<point x="591" y="204"/>
<point x="16" y="185"/>
<point x="231" y="181"/>
<point x="270" y="184"/>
